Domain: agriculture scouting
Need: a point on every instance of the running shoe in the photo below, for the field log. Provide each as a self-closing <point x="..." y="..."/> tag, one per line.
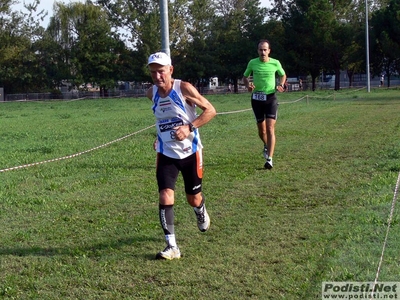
<point x="203" y="219"/>
<point x="268" y="164"/>
<point x="169" y="253"/>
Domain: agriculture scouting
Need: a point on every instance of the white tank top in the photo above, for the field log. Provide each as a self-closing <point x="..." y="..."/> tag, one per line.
<point x="170" y="112"/>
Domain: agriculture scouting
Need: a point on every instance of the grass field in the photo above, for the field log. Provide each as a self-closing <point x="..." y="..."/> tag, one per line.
<point x="86" y="227"/>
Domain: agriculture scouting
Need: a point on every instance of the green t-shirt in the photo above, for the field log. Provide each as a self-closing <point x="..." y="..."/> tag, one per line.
<point x="264" y="74"/>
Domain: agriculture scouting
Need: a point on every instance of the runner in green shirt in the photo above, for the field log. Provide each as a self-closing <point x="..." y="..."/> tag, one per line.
<point x="263" y="98"/>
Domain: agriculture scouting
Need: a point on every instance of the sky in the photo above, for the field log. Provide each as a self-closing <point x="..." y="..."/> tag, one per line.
<point x="47" y="5"/>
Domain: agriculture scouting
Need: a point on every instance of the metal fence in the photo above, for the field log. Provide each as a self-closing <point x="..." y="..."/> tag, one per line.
<point x="133" y="93"/>
<point x="136" y="93"/>
<point x="76" y="95"/>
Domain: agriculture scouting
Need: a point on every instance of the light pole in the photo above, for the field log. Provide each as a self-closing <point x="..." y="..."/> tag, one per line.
<point x="367" y="45"/>
<point x="164" y="27"/>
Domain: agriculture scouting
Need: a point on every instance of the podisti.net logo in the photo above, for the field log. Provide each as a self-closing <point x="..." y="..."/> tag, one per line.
<point x="360" y="290"/>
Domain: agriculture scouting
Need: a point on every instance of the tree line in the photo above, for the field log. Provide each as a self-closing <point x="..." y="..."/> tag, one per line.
<point x="102" y="42"/>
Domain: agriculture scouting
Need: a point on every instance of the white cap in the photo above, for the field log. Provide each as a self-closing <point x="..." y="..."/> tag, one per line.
<point x="160" y="58"/>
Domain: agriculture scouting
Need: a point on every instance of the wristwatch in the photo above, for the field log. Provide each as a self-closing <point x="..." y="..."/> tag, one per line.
<point x="191" y="127"/>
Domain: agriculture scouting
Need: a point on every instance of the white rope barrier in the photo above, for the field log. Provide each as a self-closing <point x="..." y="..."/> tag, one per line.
<point x="294" y="101"/>
<point x="386" y="236"/>
<point x="76" y="154"/>
<point x="248" y="109"/>
<point x="233" y="112"/>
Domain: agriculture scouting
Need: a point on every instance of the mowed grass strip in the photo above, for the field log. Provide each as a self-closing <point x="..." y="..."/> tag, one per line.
<point x="87" y="227"/>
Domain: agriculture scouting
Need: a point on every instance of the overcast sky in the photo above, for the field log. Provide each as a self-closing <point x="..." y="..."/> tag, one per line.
<point x="47" y="5"/>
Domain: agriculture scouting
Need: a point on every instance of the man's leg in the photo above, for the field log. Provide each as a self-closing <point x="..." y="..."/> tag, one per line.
<point x="259" y="114"/>
<point x="271" y="113"/>
<point x="192" y="173"/>
<point x="262" y="132"/>
<point x="270" y="126"/>
<point x="197" y="201"/>
<point x="167" y="174"/>
<point x="270" y="133"/>
<point x="166" y="214"/>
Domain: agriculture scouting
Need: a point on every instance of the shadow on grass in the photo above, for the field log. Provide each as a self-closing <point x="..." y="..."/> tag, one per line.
<point x="95" y="250"/>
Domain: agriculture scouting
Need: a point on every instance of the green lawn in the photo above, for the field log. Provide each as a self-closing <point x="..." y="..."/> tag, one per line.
<point x="86" y="227"/>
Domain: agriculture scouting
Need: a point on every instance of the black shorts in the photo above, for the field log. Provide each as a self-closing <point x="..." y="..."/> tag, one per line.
<point x="191" y="168"/>
<point x="265" y="109"/>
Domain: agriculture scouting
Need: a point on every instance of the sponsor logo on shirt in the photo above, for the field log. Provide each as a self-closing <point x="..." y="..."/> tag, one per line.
<point x="170" y="125"/>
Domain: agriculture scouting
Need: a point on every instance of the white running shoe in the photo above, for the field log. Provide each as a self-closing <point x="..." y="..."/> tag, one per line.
<point x="268" y="164"/>
<point x="169" y="253"/>
<point x="203" y="219"/>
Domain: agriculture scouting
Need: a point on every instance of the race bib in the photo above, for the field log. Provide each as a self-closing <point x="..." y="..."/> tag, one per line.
<point x="259" y="96"/>
<point x="166" y="128"/>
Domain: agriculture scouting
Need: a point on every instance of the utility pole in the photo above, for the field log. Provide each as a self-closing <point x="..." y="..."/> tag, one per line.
<point x="367" y="46"/>
<point x="164" y="27"/>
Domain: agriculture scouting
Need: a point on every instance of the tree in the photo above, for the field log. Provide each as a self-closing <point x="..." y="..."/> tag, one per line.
<point x="196" y="61"/>
<point x="236" y="30"/>
<point x="141" y="19"/>
<point x="305" y="35"/>
<point x="386" y="40"/>
<point x="90" y="46"/>
<point x="320" y="33"/>
<point x="20" y="70"/>
<point x="354" y="59"/>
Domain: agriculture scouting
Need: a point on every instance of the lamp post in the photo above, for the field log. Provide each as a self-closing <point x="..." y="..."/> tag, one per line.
<point x="367" y="46"/>
<point x="164" y="27"/>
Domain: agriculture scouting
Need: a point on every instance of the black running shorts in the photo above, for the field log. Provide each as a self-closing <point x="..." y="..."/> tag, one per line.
<point x="265" y="109"/>
<point x="191" y="168"/>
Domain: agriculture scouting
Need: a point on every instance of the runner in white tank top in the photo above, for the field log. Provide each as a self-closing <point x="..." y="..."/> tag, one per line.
<point x="178" y="146"/>
<point x="170" y="112"/>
